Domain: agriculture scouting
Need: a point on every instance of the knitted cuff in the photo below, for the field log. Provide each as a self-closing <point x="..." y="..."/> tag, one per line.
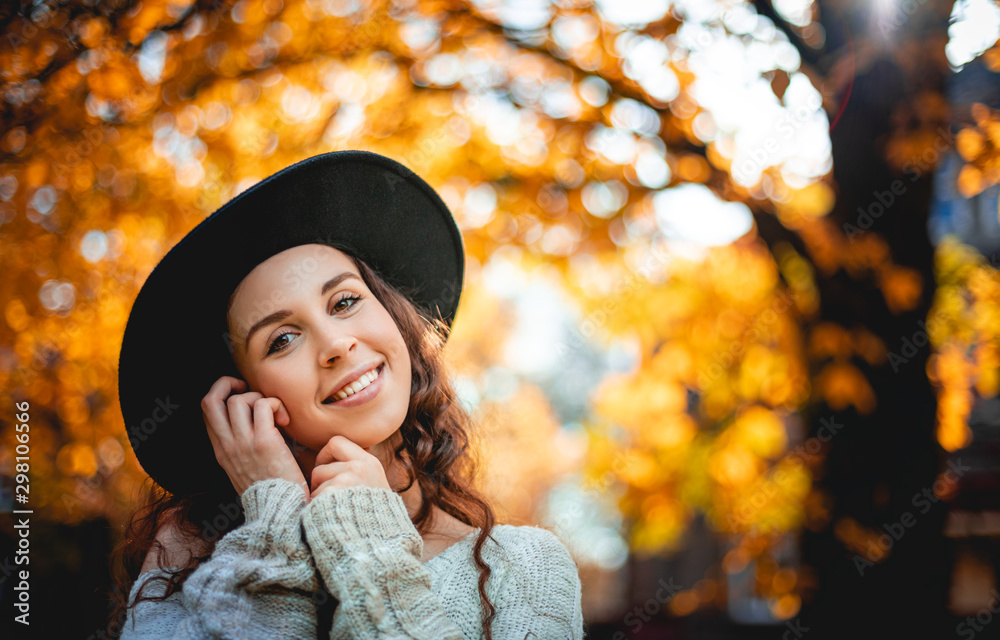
<point x="276" y="504"/>
<point x="360" y="519"/>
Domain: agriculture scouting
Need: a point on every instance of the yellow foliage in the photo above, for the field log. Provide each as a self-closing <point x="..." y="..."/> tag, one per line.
<point x="901" y="287"/>
<point x="693" y="168"/>
<point x="970" y="181"/>
<point x="868" y="346"/>
<point x="113" y="81"/>
<point x="842" y="384"/>
<point x="673" y="362"/>
<point x="519" y="437"/>
<point x="829" y="340"/>
<point x="77" y="459"/>
<point x="265" y="83"/>
<point x="671" y="432"/>
<point x="641" y="471"/>
<point x="616" y="398"/>
<point x="970" y="143"/>
<point x="759" y="431"/>
<point x="800" y="276"/>
<point x="16" y="315"/>
<point x="964" y="327"/>
<point x="813" y="201"/>
<point x="92" y="31"/>
<point x="992" y="58"/>
<point x="734" y="466"/>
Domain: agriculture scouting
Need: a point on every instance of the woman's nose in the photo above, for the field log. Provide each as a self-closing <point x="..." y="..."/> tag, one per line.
<point x="335" y="345"/>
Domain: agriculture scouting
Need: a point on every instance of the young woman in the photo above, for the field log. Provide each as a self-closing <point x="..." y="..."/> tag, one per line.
<point x="313" y="477"/>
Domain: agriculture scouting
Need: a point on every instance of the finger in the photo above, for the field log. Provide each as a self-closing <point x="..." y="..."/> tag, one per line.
<point x="281" y="416"/>
<point x="332" y="483"/>
<point x="264" y="410"/>
<point x="213" y="405"/>
<point x="329" y="471"/>
<point x="224" y="386"/>
<point x="315" y="492"/>
<point x="241" y="415"/>
<point x="339" y="448"/>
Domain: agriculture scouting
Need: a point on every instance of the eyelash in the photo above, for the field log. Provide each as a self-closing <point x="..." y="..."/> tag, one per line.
<point x="270" y="347"/>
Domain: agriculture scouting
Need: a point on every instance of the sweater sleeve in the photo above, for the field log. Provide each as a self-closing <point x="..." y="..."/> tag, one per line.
<point x="368" y="553"/>
<point x="258" y="583"/>
<point x="540" y="595"/>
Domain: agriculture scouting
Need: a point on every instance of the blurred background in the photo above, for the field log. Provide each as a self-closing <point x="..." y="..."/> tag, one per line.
<point x="730" y="327"/>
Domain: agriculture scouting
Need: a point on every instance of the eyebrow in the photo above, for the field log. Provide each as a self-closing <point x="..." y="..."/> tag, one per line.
<point x="278" y="316"/>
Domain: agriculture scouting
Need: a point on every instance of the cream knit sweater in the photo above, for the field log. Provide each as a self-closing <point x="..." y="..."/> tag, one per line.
<point x="360" y="542"/>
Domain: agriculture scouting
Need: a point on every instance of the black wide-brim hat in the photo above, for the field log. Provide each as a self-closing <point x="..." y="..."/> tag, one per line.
<point x="176" y="345"/>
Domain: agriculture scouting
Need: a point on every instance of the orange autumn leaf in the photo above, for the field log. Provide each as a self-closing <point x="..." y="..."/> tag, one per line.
<point x="842" y="384"/>
<point x="970" y="181"/>
<point x="970" y="143"/>
<point x="901" y="287"/>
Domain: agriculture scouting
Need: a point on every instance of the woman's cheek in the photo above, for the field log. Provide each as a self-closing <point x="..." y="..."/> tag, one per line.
<point x="402" y="355"/>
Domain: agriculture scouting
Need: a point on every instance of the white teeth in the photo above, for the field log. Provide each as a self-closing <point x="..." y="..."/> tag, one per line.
<point x="357" y="385"/>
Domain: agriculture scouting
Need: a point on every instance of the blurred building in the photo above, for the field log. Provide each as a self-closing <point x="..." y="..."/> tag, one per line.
<point x="973" y="523"/>
<point x="975" y="220"/>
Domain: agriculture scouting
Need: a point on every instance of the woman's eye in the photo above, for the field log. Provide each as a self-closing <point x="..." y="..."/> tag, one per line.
<point x="347" y="298"/>
<point x="275" y="343"/>
<point x="346" y="302"/>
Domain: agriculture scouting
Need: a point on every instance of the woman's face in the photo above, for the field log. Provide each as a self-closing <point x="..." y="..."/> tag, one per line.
<point x="314" y="327"/>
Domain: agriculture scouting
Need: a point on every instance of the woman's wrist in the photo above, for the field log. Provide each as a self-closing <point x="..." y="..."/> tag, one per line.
<point x="358" y="519"/>
<point x="276" y="505"/>
<point x="268" y="549"/>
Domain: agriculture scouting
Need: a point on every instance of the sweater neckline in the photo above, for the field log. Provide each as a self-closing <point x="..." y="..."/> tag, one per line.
<point x="457" y="543"/>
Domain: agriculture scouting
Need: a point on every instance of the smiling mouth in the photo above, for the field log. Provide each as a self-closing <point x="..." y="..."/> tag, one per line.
<point x="361" y="383"/>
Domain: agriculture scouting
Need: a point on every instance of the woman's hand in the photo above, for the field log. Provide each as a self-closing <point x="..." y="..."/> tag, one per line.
<point x="341" y="464"/>
<point x="247" y="444"/>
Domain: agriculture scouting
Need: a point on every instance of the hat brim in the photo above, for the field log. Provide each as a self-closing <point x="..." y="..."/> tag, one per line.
<point x="368" y="204"/>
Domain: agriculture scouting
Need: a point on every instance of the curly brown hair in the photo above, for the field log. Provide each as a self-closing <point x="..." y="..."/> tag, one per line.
<point x="434" y="437"/>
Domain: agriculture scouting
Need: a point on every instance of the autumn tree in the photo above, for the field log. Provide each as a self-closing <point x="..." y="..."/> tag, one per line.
<point x="774" y="392"/>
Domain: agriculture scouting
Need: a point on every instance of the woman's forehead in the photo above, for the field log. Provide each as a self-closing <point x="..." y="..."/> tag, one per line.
<point x="295" y="271"/>
<point x="304" y="254"/>
<point x="297" y="265"/>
